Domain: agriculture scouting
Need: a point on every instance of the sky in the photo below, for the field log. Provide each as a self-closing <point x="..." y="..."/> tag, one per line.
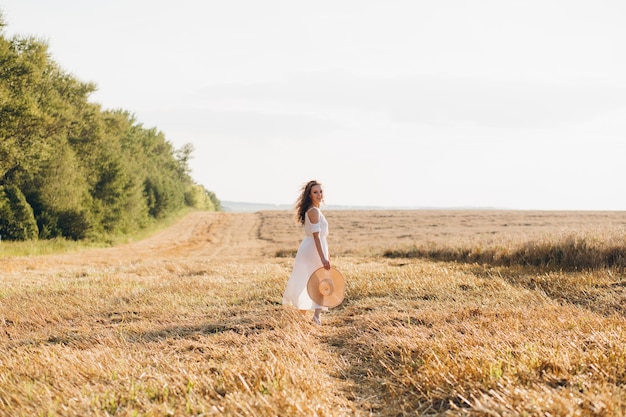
<point x="401" y="104"/>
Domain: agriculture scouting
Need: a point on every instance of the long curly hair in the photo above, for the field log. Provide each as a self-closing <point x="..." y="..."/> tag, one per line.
<point x="304" y="201"/>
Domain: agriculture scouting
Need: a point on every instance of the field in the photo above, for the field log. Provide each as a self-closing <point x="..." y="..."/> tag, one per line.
<point x="457" y="313"/>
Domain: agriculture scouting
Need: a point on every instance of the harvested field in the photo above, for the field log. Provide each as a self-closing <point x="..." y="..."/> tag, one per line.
<point x="189" y="321"/>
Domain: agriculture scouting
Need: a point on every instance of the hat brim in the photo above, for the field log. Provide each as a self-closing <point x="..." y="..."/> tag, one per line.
<point x="326" y="287"/>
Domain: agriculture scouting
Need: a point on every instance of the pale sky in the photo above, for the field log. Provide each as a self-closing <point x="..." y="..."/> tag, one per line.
<point x="447" y="103"/>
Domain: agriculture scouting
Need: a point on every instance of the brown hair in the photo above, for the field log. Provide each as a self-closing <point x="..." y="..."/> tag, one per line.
<point x="304" y="201"/>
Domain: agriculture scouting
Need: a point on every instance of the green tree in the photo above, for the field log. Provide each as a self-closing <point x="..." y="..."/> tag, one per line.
<point x="76" y="170"/>
<point x="17" y="221"/>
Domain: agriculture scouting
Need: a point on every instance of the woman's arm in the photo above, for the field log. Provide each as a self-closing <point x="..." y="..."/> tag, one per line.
<point x="320" y="251"/>
<point x="314" y="217"/>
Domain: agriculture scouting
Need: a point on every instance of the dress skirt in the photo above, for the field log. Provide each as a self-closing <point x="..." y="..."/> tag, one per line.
<point x="307" y="261"/>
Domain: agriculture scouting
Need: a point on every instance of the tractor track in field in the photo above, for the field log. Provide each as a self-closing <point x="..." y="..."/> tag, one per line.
<point x="210" y="235"/>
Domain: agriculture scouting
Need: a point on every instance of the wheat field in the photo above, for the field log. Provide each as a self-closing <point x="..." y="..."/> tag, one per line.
<point x="188" y="322"/>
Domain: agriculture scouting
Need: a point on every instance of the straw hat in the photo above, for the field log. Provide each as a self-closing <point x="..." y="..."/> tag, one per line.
<point x="326" y="287"/>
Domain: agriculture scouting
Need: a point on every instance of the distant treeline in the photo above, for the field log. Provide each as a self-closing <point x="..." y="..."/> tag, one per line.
<point x="70" y="169"/>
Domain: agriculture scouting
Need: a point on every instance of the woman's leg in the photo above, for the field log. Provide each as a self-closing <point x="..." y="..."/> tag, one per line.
<point x="316" y="317"/>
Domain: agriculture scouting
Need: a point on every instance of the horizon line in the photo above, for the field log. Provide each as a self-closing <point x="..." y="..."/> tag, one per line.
<point x="243" y="206"/>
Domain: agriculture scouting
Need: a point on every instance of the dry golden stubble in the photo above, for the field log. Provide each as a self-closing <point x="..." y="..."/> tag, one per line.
<point x="476" y="338"/>
<point x="194" y="326"/>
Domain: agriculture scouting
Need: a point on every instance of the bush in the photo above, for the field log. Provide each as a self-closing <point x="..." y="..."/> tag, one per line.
<point x="198" y="197"/>
<point x="73" y="224"/>
<point x="17" y="221"/>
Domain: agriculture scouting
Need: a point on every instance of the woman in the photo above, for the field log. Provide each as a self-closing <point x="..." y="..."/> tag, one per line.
<point x="312" y="253"/>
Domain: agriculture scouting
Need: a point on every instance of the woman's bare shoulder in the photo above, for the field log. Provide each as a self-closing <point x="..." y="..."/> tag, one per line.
<point x="314" y="214"/>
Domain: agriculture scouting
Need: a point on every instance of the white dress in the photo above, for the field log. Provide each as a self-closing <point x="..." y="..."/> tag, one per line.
<point x="306" y="262"/>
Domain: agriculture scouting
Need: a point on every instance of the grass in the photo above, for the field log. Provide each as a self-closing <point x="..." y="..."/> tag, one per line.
<point x="36" y="248"/>
<point x="572" y="253"/>
<point x="61" y="245"/>
<point x="193" y="326"/>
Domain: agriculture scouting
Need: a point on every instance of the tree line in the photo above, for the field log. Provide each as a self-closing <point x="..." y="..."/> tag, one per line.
<point x="71" y="169"/>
